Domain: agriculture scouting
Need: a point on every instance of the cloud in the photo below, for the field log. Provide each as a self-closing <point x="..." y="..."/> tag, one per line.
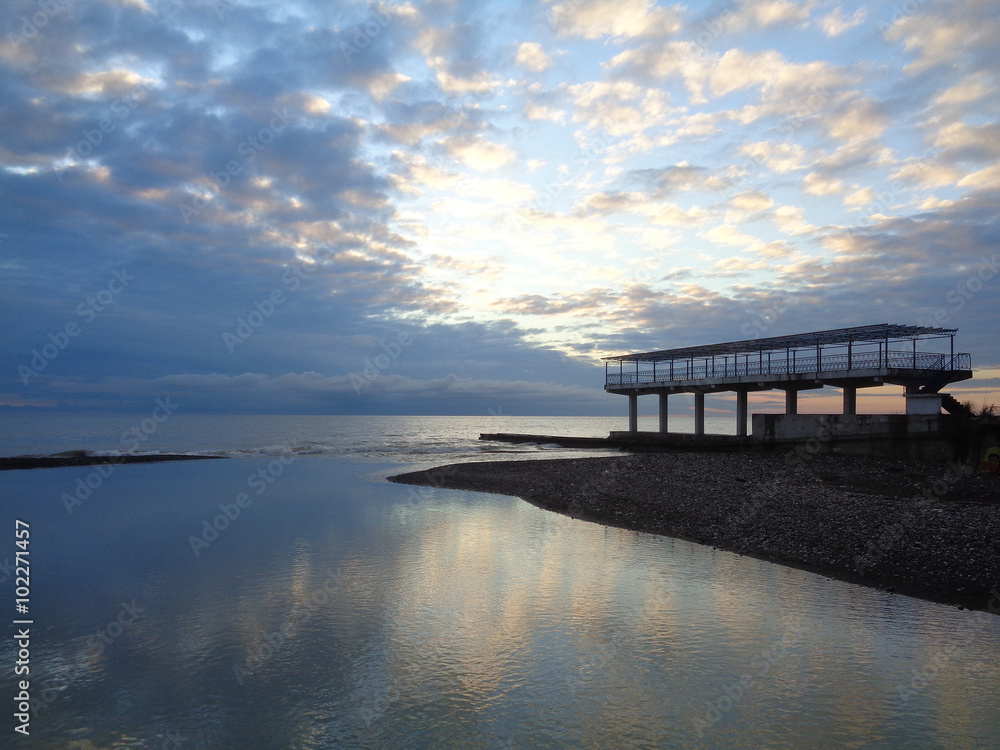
<point x="927" y="172"/>
<point x="988" y="179"/>
<point x="780" y="157"/>
<point x="661" y="61"/>
<point x="751" y="200"/>
<point x="970" y="89"/>
<point x="791" y="220"/>
<point x="452" y="53"/>
<point x="541" y="112"/>
<point x="938" y="34"/>
<point x="624" y="19"/>
<point x="817" y="184"/>
<point x="417" y="173"/>
<point x="658" y="211"/>
<point x="861" y="120"/>
<point x="410" y="123"/>
<point x="730" y="235"/>
<point x="682" y="177"/>
<point x="860" y="197"/>
<point x="415" y="168"/>
<point x="834" y="23"/>
<point x="479" y="153"/>
<point x="531" y="56"/>
<point x="769" y="13"/>
<point x="618" y="108"/>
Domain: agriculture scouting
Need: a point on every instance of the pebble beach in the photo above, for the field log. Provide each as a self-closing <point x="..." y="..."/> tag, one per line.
<point x="925" y="530"/>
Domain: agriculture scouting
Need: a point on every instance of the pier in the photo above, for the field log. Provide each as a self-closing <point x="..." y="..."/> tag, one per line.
<point x="846" y="358"/>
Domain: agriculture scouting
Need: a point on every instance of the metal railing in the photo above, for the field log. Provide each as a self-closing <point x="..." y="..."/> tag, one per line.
<point x="672" y="371"/>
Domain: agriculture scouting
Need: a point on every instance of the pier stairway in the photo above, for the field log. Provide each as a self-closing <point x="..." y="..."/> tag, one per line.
<point x="953" y="406"/>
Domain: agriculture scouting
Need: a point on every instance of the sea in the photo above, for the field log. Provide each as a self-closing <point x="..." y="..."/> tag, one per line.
<point x="291" y="597"/>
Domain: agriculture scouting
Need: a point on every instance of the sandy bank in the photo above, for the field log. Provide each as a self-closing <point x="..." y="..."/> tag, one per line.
<point x="931" y="531"/>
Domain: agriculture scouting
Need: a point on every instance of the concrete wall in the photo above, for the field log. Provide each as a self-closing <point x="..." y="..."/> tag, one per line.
<point x="937" y="437"/>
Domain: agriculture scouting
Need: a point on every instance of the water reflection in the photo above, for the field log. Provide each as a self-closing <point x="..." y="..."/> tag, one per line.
<point x="338" y="612"/>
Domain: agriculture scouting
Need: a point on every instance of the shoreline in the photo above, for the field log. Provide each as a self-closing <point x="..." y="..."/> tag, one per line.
<point x="83" y="458"/>
<point x="930" y="531"/>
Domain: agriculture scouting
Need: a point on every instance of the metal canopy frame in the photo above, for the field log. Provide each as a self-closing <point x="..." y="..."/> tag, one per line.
<point x="879" y="333"/>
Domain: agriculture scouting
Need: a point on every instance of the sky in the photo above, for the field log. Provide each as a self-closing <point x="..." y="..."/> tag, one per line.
<point x="459" y="208"/>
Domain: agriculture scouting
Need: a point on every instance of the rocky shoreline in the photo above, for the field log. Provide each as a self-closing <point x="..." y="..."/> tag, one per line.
<point x="925" y="530"/>
<point x="85" y="458"/>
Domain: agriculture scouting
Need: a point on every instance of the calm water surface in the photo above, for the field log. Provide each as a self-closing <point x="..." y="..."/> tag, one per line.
<point x="338" y="610"/>
<point x="364" y="438"/>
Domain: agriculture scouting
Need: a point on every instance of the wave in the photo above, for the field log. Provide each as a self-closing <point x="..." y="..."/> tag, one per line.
<point x="385" y="448"/>
<point x="317" y="449"/>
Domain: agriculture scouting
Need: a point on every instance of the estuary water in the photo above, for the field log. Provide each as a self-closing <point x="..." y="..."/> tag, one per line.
<point x="292" y="598"/>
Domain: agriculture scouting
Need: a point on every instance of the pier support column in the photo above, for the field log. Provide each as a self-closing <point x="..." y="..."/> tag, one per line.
<point x="791" y="401"/>
<point x="663" y="412"/>
<point x="633" y="412"/>
<point x="699" y="414"/>
<point x="741" y="413"/>
<point x="850" y="400"/>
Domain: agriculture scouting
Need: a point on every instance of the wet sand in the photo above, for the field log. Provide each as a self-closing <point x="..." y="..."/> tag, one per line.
<point x="925" y="530"/>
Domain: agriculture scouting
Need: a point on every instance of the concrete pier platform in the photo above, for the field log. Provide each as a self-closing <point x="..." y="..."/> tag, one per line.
<point x="922" y="437"/>
<point x="562" y="440"/>
<point x="633" y="441"/>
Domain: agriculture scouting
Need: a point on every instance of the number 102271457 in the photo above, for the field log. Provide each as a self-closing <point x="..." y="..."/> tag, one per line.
<point x="22" y="571"/>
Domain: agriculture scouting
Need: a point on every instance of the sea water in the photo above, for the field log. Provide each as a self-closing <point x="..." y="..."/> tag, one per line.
<point x="364" y="438"/>
<point x="290" y="597"/>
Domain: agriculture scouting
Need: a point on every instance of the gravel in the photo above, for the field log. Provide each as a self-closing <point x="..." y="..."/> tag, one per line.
<point x="925" y="530"/>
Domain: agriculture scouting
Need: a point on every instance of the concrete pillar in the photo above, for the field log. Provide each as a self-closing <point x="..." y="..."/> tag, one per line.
<point x="699" y="414"/>
<point x="633" y="412"/>
<point x="850" y="400"/>
<point x="791" y="401"/>
<point x="741" y="413"/>
<point x="663" y="412"/>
